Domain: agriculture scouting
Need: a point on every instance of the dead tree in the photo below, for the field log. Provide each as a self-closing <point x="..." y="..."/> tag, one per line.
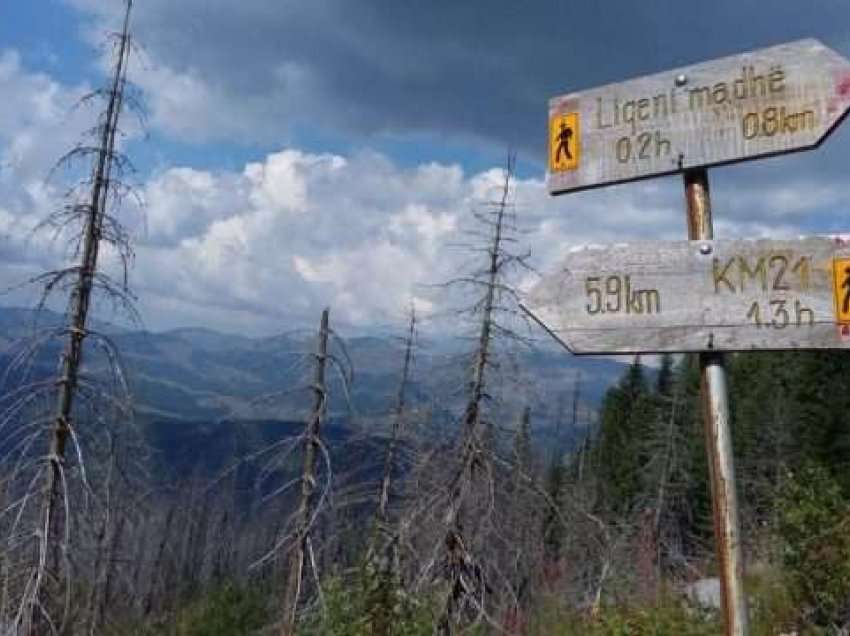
<point x="43" y="483"/>
<point x="463" y="574"/>
<point x="52" y="514"/>
<point x="381" y="578"/>
<point x="306" y="506"/>
<point x="381" y="514"/>
<point x="107" y="541"/>
<point x="468" y="500"/>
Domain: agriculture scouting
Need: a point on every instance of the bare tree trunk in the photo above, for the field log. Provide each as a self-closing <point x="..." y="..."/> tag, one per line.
<point x="197" y="548"/>
<point x="156" y="574"/>
<point x="669" y="458"/>
<point x="105" y="596"/>
<point x="584" y="450"/>
<point x="576" y="399"/>
<point x="304" y="513"/>
<point x="54" y="503"/>
<point x="225" y="545"/>
<point x="97" y="569"/>
<point x="462" y="573"/>
<point x="102" y="557"/>
<point x="386" y="479"/>
<point x="141" y="554"/>
<point x="382" y="556"/>
<point x="182" y="569"/>
<point x="472" y="413"/>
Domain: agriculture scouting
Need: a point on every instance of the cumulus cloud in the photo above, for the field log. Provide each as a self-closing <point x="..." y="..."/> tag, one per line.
<point x="297" y="231"/>
<point x="265" y="247"/>
<point x="38" y="123"/>
<point x="36" y="118"/>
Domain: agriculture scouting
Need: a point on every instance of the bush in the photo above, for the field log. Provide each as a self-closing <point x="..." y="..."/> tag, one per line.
<point x="814" y="533"/>
<point x="227" y="611"/>
<point x="670" y="617"/>
<point x="358" y="610"/>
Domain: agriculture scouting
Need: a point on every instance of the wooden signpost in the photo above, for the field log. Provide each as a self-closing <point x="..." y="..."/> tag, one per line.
<point x="773" y="101"/>
<point x="703" y="295"/>
<point x="699" y="296"/>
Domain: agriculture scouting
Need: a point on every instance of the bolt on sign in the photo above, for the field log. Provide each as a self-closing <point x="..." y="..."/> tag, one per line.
<point x="699" y="296"/>
<point x="772" y="101"/>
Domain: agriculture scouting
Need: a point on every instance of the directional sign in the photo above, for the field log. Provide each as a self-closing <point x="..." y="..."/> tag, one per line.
<point x="776" y="100"/>
<point x="699" y="296"/>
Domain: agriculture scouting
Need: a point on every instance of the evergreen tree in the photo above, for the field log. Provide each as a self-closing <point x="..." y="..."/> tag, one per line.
<point x="627" y="413"/>
<point x="666" y="377"/>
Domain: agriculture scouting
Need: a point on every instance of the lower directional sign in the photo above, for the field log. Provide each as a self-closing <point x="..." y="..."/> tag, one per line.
<point x="699" y="296"/>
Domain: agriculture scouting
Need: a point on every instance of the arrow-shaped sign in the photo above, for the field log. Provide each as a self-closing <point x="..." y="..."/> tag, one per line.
<point x="767" y="102"/>
<point x="699" y="296"/>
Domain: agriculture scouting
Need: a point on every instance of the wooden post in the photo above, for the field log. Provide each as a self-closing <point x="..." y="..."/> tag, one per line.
<point x="308" y="485"/>
<point x="718" y="437"/>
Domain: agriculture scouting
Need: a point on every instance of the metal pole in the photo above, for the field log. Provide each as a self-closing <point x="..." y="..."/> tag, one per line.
<point x="718" y="437"/>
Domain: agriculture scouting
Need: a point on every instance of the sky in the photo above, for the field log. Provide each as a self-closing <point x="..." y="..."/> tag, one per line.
<point x="295" y="155"/>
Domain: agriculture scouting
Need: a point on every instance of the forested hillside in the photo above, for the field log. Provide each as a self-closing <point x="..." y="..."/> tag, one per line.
<point x="598" y="532"/>
<point x="790" y="442"/>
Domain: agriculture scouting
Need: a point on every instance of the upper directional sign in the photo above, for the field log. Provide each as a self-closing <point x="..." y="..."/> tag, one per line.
<point x="766" y="102"/>
<point x="699" y="296"/>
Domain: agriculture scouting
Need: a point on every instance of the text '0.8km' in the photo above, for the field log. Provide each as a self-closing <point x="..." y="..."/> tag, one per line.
<point x="771" y="101"/>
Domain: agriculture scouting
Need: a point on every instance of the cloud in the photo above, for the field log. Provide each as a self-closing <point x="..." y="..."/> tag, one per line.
<point x="184" y="202"/>
<point x="298" y="231"/>
<point x="265" y="247"/>
<point x="475" y="70"/>
<point x="38" y="123"/>
<point x="36" y="118"/>
<point x="416" y="78"/>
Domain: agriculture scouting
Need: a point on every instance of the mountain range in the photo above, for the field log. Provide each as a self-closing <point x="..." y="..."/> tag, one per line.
<point x="194" y="383"/>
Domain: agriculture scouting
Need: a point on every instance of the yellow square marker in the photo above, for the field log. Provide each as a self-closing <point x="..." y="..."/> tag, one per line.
<point x="841" y="275"/>
<point x="564" y="142"/>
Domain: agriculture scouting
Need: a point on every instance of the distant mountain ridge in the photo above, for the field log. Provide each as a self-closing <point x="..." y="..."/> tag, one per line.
<point x="203" y="375"/>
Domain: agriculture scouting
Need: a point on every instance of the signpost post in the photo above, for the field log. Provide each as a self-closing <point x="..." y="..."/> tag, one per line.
<point x="718" y="437"/>
<point x="676" y="298"/>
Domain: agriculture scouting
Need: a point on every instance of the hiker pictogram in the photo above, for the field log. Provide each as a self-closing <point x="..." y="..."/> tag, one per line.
<point x="841" y="277"/>
<point x="564" y="142"/>
<point x="564" y="138"/>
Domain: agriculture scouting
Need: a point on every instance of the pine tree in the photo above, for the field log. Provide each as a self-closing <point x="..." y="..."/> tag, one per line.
<point x="665" y="379"/>
<point x="626" y="415"/>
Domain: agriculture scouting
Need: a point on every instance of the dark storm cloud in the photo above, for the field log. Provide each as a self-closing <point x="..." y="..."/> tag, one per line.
<point x="482" y="69"/>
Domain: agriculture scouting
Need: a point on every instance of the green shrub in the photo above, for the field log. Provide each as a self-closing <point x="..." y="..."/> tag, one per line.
<point x="814" y="532"/>
<point x="359" y="610"/>
<point x="226" y="611"/>
<point x="671" y="616"/>
<point x="771" y="607"/>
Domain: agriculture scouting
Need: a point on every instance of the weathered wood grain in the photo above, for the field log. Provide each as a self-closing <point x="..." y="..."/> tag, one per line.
<point x="697" y="296"/>
<point x="772" y="101"/>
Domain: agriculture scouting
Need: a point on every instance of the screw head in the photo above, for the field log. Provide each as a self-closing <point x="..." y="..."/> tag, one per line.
<point x="705" y="248"/>
<point x="681" y="79"/>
